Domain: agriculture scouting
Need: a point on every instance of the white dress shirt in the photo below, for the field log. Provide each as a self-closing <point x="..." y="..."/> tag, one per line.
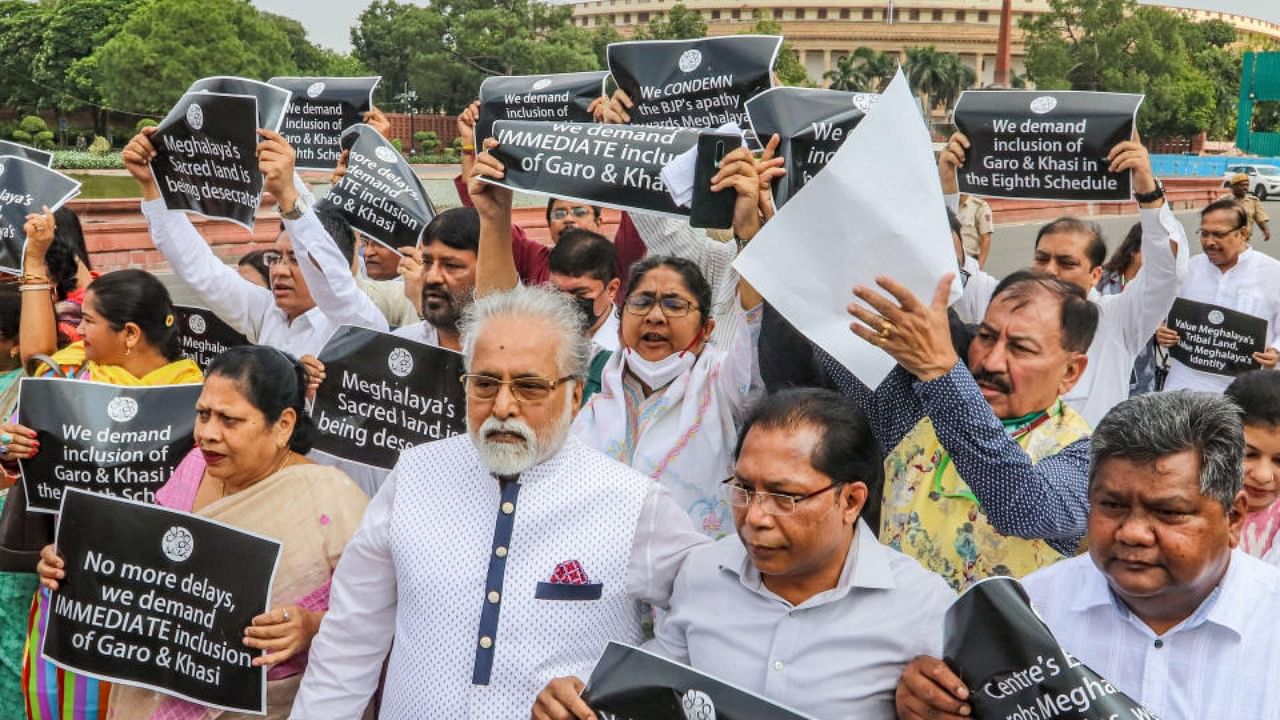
<point x="1126" y="321"/>
<point x="252" y="309"/>
<point x="421" y="331"/>
<point x="606" y="336"/>
<point x="836" y="655"/>
<point x="434" y="569"/>
<point x="1251" y="286"/>
<point x="1218" y="663"/>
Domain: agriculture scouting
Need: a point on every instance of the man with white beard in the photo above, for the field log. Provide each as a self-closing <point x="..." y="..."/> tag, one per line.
<point x="500" y="559"/>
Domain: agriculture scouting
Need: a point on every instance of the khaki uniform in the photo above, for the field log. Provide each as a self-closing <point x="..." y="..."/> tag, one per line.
<point x="975" y="221"/>
<point x="1252" y="207"/>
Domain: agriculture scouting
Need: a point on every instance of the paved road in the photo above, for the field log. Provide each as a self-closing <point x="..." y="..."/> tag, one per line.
<point x="1012" y="245"/>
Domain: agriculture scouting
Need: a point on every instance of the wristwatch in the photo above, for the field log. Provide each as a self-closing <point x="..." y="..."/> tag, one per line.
<point x="296" y="212"/>
<point x="1152" y="196"/>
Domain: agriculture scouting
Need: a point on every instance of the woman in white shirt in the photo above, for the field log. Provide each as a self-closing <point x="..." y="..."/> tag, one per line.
<point x="670" y="402"/>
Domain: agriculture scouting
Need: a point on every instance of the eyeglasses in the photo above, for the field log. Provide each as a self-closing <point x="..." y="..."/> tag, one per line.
<point x="525" y="389"/>
<point x="578" y="213"/>
<point x="673" y="306"/>
<point x="271" y="257"/>
<point x="772" y="503"/>
<point x="1217" y="234"/>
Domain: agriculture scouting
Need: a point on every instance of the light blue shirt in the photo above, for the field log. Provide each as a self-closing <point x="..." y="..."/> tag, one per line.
<point x="1218" y="663"/>
<point x="836" y="655"/>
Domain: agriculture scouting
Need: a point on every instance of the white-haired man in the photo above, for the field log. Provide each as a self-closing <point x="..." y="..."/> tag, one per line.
<point x="500" y="559"/>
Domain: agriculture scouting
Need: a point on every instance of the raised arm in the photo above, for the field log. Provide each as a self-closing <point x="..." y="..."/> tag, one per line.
<point x="237" y="301"/>
<point x="38" y="326"/>
<point x="495" y="263"/>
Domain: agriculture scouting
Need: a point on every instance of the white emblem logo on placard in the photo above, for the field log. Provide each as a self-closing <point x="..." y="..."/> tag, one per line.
<point x="385" y="154"/>
<point x="690" y="60"/>
<point x="314" y="89"/>
<point x="1043" y="104"/>
<point x="195" y="116"/>
<point x="541" y="84"/>
<point x="197" y="324"/>
<point x="400" y="362"/>
<point x="1216" y="317"/>
<point x="178" y="544"/>
<point x="122" y="409"/>
<point x="865" y="101"/>
<point x="697" y="705"/>
<point x="1" y="169"/>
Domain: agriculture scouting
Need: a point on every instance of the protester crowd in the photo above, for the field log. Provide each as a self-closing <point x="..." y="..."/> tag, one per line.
<point x="655" y="456"/>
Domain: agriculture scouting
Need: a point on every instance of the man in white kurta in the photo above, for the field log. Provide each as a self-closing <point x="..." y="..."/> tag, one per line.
<point x="500" y="559"/>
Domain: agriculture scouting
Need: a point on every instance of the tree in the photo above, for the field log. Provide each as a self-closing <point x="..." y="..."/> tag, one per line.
<point x="1189" y="71"/>
<point x="72" y="30"/>
<point x="939" y="77"/>
<point x="168" y="44"/>
<point x="864" y="70"/>
<point x="601" y="39"/>
<point x="787" y="68"/>
<point x="20" y="39"/>
<point x="679" y="23"/>
<point x="443" y="51"/>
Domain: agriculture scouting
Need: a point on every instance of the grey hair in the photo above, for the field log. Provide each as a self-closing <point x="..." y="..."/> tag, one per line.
<point x="543" y="302"/>
<point x="1155" y="425"/>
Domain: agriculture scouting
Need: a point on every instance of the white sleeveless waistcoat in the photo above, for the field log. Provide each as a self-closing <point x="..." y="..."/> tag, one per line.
<point x="480" y="626"/>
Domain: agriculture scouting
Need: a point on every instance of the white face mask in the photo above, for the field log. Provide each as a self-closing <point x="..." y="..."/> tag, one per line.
<point x="657" y="374"/>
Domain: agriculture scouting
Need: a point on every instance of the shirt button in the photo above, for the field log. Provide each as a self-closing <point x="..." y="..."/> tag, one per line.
<point x="494" y="596"/>
<point x="500" y="552"/>
<point x="1159" y="644"/>
<point x="486" y="642"/>
<point x="508" y="508"/>
<point x="777" y="664"/>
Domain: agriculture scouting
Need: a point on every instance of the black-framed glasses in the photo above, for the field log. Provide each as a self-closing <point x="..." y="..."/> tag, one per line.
<point x="271" y="257"/>
<point x="578" y="213"/>
<point x="772" y="503"/>
<point x="673" y="306"/>
<point x="1218" y="234"/>
<point x="525" y="389"/>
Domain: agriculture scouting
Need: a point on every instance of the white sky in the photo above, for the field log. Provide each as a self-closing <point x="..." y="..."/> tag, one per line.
<point x="329" y="22"/>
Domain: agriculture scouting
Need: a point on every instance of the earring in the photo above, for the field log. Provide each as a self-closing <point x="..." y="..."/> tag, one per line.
<point x="13" y="352"/>
<point x="128" y="349"/>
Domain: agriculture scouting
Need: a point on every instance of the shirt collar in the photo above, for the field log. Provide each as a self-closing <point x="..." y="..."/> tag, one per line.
<point x="865" y="566"/>
<point x="1227" y="606"/>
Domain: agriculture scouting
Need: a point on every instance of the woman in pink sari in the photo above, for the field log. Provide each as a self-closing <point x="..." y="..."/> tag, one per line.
<point x="248" y="470"/>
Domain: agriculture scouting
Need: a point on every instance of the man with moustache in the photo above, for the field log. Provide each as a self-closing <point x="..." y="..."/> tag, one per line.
<point x="1164" y="605"/>
<point x="1231" y="274"/>
<point x="448" y="276"/>
<point x="312" y="291"/>
<point x="379" y="278"/>
<point x="499" y="559"/>
<point x="986" y="465"/>
<point x="803" y="598"/>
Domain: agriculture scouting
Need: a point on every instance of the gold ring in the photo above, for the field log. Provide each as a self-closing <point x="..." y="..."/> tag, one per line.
<point x="286" y="614"/>
<point x="886" y="329"/>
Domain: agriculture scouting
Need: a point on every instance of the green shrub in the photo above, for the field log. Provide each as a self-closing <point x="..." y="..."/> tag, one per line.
<point x="22" y="136"/>
<point x="80" y="160"/>
<point x="44" y="140"/>
<point x="426" y="140"/>
<point x="143" y="123"/>
<point x="100" y="146"/>
<point x="398" y="145"/>
<point x="33" y="124"/>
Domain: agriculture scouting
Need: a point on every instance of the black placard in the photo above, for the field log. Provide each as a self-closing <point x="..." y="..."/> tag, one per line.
<point x="633" y="684"/>
<point x="564" y="97"/>
<point x="1216" y="339"/>
<point x="1050" y="145"/>
<point x="117" y="440"/>
<point x="159" y="599"/>
<point x="206" y="159"/>
<point x="26" y="187"/>
<point x="380" y="195"/>
<point x="702" y="83"/>
<point x="615" y="166"/>
<point x="1015" y="669"/>
<point x="383" y="394"/>
<point x="204" y="336"/>
<point x="321" y="108"/>
<point x="811" y="125"/>
<point x="11" y="149"/>
<point x="273" y="101"/>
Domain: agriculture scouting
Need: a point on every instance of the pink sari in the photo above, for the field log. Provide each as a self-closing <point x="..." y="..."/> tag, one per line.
<point x="313" y="510"/>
